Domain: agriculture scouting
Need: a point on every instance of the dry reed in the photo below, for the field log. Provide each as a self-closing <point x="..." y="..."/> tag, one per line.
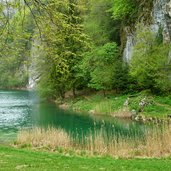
<point x="50" y="137"/>
<point x="155" y="143"/>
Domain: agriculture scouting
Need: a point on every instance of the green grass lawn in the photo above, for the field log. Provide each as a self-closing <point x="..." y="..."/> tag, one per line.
<point x="12" y="159"/>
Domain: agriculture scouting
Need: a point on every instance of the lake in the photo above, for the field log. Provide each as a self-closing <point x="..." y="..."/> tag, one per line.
<point x="23" y="110"/>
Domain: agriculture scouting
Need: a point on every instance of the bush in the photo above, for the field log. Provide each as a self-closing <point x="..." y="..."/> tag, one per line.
<point x="149" y="64"/>
<point x="99" y="64"/>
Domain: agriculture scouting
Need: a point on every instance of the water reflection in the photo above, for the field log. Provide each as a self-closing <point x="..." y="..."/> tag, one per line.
<point x="22" y="109"/>
<point x="81" y="125"/>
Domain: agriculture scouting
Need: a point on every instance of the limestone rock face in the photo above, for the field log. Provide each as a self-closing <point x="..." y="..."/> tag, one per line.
<point x="35" y="62"/>
<point x="168" y="8"/>
<point x="161" y="17"/>
<point x="128" y="48"/>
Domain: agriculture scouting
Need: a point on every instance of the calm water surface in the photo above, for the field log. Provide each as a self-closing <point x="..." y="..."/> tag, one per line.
<point x="22" y="109"/>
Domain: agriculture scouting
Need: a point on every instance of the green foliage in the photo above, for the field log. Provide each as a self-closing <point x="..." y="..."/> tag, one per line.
<point x="99" y="24"/>
<point x="121" y="79"/>
<point x="64" y="43"/>
<point x="131" y="11"/>
<point x="149" y="64"/>
<point x="123" y="9"/>
<point x="15" y="50"/>
<point x="75" y="42"/>
<point x="100" y="63"/>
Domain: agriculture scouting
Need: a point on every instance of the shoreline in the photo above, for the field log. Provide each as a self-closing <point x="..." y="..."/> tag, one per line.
<point x="17" y="89"/>
<point x="122" y="112"/>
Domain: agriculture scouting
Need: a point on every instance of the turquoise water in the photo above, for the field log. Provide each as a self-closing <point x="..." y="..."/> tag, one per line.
<point x="22" y="109"/>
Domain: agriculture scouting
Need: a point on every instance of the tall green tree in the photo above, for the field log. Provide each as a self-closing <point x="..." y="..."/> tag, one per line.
<point x="99" y="23"/>
<point x="100" y="65"/>
<point x="15" y="46"/>
<point x="64" y="43"/>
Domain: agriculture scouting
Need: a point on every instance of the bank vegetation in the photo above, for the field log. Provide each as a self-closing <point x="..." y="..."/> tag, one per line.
<point x="155" y="143"/>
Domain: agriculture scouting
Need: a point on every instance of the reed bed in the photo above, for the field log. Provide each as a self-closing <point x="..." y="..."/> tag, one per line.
<point x="154" y="143"/>
<point x="39" y="137"/>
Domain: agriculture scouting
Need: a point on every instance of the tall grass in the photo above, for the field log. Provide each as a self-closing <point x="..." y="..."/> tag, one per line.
<point x="38" y="137"/>
<point x="155" y="143"/>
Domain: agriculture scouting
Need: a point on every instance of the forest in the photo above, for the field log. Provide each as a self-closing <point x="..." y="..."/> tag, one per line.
<point x="85" y="85"/>
<point x="70" y="45"/>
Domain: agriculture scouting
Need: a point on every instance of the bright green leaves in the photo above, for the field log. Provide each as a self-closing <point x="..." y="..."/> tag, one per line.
<point x="123" y="9"/>
<point x="64" y="43"/>
<point x="129" y="12"/>
<point x="100" y="64"/>
<point x="149" y="64"/>
<point x="15" y="50"/>
<point x="99" y="24"/>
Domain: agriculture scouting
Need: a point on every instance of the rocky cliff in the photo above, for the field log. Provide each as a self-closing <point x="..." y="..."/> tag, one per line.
<point x="160" y="18"/>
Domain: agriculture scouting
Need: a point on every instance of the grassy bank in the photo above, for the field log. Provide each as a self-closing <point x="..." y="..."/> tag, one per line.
<point x="121" y="105"/>
<point x="17" y="159"/>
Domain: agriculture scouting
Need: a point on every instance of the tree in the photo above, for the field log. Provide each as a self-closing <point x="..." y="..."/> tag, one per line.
<point x="64" y="43"/>
<point x="99" y="24"/>
<point x="121" y="79"/>
<point x="123" y="9"/>
<point x="100" y="64"/>
<point x="15" y="47"/>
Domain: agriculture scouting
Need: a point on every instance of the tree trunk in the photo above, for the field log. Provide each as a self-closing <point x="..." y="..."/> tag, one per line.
<point x="104" y="93"/>
<point x="74" y="91"/>
<point x="62" y="94"/>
